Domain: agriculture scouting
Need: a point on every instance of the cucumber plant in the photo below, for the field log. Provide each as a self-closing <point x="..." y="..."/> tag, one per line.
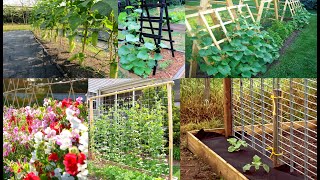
<point x="256" y="163"/>
<point x="236" y="144"/>
<point x="134" y="55"/>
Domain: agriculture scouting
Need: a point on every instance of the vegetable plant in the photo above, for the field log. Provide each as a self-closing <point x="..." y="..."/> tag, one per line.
<point x="235" y="144"/>
<point x="134" y="55"/>
<point x="256" y="163"/>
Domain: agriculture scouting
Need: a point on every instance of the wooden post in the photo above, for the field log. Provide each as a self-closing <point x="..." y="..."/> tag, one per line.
<point x="276" y="124"/>
<point x="169" y="88"/>
<point x="276" y="9"/>
<point x="91" y="126"/>
<point x="206" y="94"/>
<point x="227" y="118"/>
<point x="193" y="62"/>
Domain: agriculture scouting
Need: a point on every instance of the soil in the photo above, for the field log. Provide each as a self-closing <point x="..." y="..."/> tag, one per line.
<point x="193" y="167"/>
<point x="93" y="67"/>
<point x="177" y="62"/>
<point x="218" y="143"/>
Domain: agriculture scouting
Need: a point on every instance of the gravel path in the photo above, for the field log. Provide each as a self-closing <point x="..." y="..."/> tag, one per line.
<point x="23" y="57"/>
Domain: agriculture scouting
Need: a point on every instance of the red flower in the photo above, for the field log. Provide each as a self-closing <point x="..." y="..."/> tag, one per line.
<point x="53" y="157"/>
<point x="70" y="162"/>
<point x="29" y="120"/>
<point x="13" y="149"/>
<point x="31" y="176"/>
<point x="66" y="102"/>
<point x="56" y="126"/>
<point x="23" y="128"/>
<point x="29" y="129"/>
<point x="81" y="158"/>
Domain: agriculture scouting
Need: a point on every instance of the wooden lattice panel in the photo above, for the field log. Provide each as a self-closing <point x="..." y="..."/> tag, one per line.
<point x="293" y="5"/>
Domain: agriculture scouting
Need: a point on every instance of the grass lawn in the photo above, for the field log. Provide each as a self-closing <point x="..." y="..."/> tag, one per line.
<point x="15" y="27"/>
<point x="176" y="171"/>
<point x="300" y="59"/>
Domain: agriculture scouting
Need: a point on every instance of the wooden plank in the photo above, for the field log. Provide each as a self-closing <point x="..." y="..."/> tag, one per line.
<point x="169" y="93"/>
<point x="227" y="117"/>
<point x="193" y="62"/>
<point x="91" y="127"/>
<point x="224" y="169"/>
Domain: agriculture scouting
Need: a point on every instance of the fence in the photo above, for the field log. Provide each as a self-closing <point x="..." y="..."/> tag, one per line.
<point x="128" y="128"/>
<point x="277" y="115"/>
<point x="28" y="92"/>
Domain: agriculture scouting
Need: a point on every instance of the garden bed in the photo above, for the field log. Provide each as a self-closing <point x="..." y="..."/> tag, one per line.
<point x="213" y="146"/>
<point x="94" y="67"/>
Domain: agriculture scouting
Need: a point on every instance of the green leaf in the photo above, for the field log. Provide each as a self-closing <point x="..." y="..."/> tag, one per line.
<point x="158" y="56"/>
<point x="73" y="57"/>
<point x="132" y="38"/>
<point x="266" y="167"/>
<point x="143" y="55"/>
<point x="127" y="66"/>
<point x="231" y="149"/>
<point x="74" y="21"/>
<point x="138" y="70"/>
<point x="123" y="50"/>
<point x="224" y="70"/>
<point x="232" y="141"/>
<point x="103" y="8"/>
<point x="246" y="167"/>
<point x="211" y="71"/>
<point x="256" y="158"/>
<point x="162" y="45"/>
<point x="238" y="56"/>
<point x="149" y="46"/>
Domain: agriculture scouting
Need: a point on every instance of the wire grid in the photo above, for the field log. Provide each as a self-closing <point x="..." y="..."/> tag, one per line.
<point x="134" y="139"/>
<point x="29" y="92"/>
<point x="252" y="110"/>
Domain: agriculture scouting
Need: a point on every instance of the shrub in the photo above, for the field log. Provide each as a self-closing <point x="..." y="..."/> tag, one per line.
<point x="309" y="4"/>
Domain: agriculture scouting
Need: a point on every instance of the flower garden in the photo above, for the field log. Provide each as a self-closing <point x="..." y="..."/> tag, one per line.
<point x="47" y="142"/>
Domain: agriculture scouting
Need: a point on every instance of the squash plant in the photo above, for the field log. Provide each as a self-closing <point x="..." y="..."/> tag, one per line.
<point x="248" y="53"/>
<point x="134" y="55"/>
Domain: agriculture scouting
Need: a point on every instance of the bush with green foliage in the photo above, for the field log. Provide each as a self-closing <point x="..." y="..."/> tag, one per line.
<point x="309" y="4"/>
<point x="248" y="53"/>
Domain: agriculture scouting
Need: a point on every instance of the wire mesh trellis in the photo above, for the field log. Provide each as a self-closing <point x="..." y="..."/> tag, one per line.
<point x="29" y="92"/>
<point x="132" y="128"/>
<point x="280" y="114"/>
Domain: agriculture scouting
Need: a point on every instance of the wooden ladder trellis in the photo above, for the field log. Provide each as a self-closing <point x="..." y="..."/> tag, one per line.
<point x="218" y="23"/>
<point x="160" y="20"/>
<point x="293" y="5"/>
<point x="262" y="8"/>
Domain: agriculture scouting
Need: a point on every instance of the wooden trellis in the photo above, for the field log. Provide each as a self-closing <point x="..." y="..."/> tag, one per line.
<point x="262" y="7"/>
<point x="218" y="22"/>
<point x="156" y="32"/>
<point x="293" y="5"/>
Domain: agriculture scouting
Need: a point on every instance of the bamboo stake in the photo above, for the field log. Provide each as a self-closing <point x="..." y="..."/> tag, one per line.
<point x="169" y="88"/>
<point x="91" y="125"/>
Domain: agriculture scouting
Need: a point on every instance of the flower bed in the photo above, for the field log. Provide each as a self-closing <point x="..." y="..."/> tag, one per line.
<point x="48" y="142"/>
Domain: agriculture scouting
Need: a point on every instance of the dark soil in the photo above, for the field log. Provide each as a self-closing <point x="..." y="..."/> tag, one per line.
<point x="218" y="143"/>
<point x="193" y="167"/>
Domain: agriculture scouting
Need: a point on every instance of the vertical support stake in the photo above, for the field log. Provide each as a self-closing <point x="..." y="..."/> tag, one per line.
<point x="277" y="111"/>
<point x="227" y="107"/>
<point x="169" y="88"/>
<point x="91" y="127"/>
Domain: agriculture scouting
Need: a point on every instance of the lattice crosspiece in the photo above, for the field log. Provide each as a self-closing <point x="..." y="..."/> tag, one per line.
<point x="217" y="21"/>
<point x="28" y="92"/>
<point x="263" y="7"/>
<point x="292" y="5"/>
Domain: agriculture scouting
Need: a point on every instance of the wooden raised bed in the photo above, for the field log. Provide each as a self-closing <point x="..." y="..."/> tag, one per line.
<point x="224" y="168"/>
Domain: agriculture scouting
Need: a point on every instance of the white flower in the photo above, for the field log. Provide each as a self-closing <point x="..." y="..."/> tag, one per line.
<point x="83" y="172"/>
<point x="34" y="156"/>
<point x="67" y="176"/>
<point x="83" y="140"/>
<point x="49" y="133"/>
<point x="38" y="137"/>
<point x="64" y="139"/>
<point x="57" y="173"/>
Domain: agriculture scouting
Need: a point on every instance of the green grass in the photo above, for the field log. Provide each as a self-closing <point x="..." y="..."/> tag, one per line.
<point x="176" y="171"/>
<point x="300" y="58"/>
<point x="16" y="27"/>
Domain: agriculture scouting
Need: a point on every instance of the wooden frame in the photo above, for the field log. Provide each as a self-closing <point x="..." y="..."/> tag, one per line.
<point x="215" y="16"/>
<point x="218" y="164"/>
<point x="168" y="84"/>
<point x="293" y="5"/>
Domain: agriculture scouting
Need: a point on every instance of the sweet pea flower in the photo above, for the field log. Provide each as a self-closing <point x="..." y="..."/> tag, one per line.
<point x="64" y="139"/>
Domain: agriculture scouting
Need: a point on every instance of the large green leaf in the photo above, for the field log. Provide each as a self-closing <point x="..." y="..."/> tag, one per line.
<point x="143" y="55"/>
<point x="103" y="8"/>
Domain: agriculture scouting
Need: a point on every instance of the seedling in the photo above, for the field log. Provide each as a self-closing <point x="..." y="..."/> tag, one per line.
<point x="236" y="144"/>
<point x="256" y="163"/>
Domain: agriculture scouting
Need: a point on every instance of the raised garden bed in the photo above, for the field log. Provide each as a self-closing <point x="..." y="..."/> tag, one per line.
<point x="212" y="146"/>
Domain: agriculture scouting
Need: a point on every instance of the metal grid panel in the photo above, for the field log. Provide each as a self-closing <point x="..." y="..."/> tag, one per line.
<point x="253" y="103"/>
<point x="134" y="135"/>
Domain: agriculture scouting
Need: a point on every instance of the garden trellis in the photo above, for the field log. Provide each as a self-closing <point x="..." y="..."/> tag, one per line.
<point x="292" y="5"/>
<point x="152" y="21"/>
<point x="278" y="115"/>
<point x="128" y="126"/>
<point x="26" y="92"/>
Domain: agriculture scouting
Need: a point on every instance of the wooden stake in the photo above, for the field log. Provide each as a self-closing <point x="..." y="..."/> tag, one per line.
<point x="169" y="88"/>
<point x="91" y="126"/>
<point x="276" y="124"/>
<point x="227" y="107"/>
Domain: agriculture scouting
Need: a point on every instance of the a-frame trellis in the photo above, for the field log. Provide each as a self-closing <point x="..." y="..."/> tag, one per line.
<point x="217" y="22"/>
<point x="292" y="5"/>
<point x="263" y="7"/>
<point x="156" y="32"/>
